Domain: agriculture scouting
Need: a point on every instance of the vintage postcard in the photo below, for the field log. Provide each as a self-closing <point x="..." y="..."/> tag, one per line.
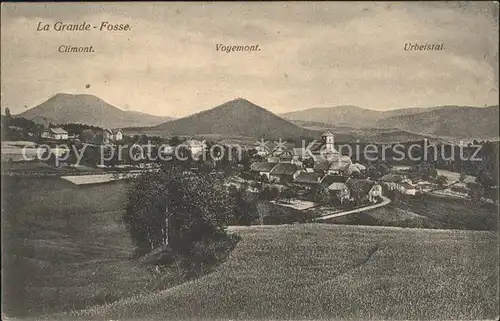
<point x="250" y="161"/>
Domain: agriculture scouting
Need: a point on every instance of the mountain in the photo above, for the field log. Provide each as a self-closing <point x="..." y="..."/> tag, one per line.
<point x="237" y="117"/>
<point x="445" y="121"/>
<point x="350" y="116"/>
<point x="90" y="110"/>
<point x="449" y="121"/>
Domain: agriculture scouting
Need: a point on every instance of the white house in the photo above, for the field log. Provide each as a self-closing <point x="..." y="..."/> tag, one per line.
<point x="374" y="193"/>
<point x="407" y="188"/>
<point x="118" y="135"/>
<point x="195" y="146"/>
<point x="112" y="135"/>
<point x="55" y="133"/>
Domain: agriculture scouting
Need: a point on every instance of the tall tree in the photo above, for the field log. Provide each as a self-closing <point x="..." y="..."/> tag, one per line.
<point x="177" y="208"/>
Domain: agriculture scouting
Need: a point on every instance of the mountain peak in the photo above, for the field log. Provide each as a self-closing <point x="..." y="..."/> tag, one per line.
<point x="73" y="96"/>
<point x="87" y="109"/>
<point x="237" y="117"/>
<point x="240" y="100"/>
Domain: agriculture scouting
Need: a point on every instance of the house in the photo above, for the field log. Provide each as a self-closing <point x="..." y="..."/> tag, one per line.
<point x="392" y="182"/>
<point x="262" y="169"/>
<point x="273" y="159"/>
<point x="407" y="189"/>
<point x="45" y="134"/>
<point x="338" y="166"/>
<point x="111" y="135"/>
<point x="361" y="167"/>
<point x="337" y="187"/>
<point x="118" y="135"/>
<point x="55" y="134"/>
<point x="262" y="150"/>
<point x="283" y="156"/>
<point x="308" y="179"/>
<point x="166" y="152"/>
<point x="196" y="147"/>
<point x="363" y="189"/>
<point x="374" y="193"/>
<point x="352" y="169"/>
<point x="284" y="172"/>
<point x="355" y="169"/>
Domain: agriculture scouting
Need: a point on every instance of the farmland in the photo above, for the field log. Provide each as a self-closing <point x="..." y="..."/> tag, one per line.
<point x="334" y="272"/>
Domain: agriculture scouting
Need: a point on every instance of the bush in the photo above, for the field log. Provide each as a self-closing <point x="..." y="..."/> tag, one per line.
<point x="441" y="180"/>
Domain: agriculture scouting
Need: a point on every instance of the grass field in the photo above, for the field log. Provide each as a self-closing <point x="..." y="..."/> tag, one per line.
<point x="325" y="271"/>
<point x="428" y="212"/>
<point x="67" y="249"/>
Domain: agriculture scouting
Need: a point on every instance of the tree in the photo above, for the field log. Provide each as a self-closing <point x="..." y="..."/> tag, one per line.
<point x="383" y="168"/>
<point x="175" y="141"/>
<point x="485" y="178"/>
<point x="441" y="180"/>
<point x="358" y="190"/>
<point x="245" y="209"/>
<point x="288" y="194"/>
<point x="308" y="162"/>
<point x="176" y="208"/>
<point x="88" y="136"/>
<point x="274" y="192"/>
<point x="321" y="194"/>
<point x="91" y="156"/>
<point x="427" y="171"/>
<point x="476" y="192"/>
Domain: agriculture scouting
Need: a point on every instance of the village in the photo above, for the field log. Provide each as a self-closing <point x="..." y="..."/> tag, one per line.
<point x="318" y="180"/>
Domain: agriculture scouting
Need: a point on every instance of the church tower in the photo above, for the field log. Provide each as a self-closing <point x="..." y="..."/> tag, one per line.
<point x="329" y="140"/>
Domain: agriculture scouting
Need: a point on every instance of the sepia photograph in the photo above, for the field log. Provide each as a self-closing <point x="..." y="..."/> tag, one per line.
<point x="303" y="160"/>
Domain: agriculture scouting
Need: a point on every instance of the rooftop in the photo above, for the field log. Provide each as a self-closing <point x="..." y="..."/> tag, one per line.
<point x="262" y="166"/>
<point x="308" y="178"/>
<point x="58" y="130"/>
<point x="284" y="169"/>
<point x="391" y="178"/>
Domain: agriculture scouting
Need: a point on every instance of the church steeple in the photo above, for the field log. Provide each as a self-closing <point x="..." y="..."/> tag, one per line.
<point x="329" y="140"/>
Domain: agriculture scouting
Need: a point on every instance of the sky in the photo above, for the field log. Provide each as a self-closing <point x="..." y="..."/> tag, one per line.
<point x="313" y="54"/>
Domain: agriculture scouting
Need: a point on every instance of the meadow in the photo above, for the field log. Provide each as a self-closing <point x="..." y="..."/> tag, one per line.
<point x="427" y="211"/>
<point x="320" y="271"/>
<point x="65" y="247"/>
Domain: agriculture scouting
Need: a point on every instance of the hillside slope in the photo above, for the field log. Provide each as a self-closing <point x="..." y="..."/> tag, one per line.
<point x="451" y="121"/>
<point x="88" y="109"/>
<point x="334" y="272"/>
<point x="237" y="117"/>
<point x="445" y="121"/>
<point x="352" y="116"/>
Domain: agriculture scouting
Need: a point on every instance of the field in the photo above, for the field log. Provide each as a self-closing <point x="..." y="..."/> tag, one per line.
<point x="66" y="247"/>
<point x="428" y="212"/>
<point x="325" y="271"/>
